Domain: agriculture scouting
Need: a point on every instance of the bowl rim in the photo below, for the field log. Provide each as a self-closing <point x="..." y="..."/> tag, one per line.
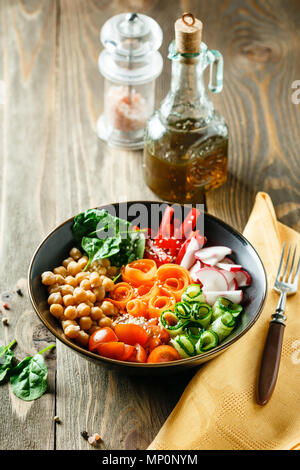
<point x="130" y="365"/>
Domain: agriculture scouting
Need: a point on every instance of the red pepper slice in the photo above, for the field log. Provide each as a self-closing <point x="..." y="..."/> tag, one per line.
<point x="188" y="224"/>
<point x="166" y="226"/>
<point x="157" y="254"/>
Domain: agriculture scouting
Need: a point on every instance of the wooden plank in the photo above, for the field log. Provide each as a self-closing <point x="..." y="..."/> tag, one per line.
<point x="126" y="411"/>
<point x="259" y="40"/>
<point x="27" y="65"/>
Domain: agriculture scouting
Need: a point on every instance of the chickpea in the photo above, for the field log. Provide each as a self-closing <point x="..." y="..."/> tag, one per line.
<point x="102" y="271"/>
<point x="70" y="313"/>
<point x="90" y="304"/>
<point x="91" y="296"/>
<point x="72" y="331"/>
<point x="112" y="271"/>
<point x="54" y="288"/>
<point x="68" y="300"/>
<point x="81" y="276"/>
<point x="93" y="329"/>
<point x="57" y="310"/>
<point x="66" y="289"/>
<point x="96" y="313"/>
<point x="67" y="261"/>
<point x="80" y="295"/>
<point x="48" y="278"/>
<point x="108" y="308"/>
<point x="83" y="310"/>
<point x="85" y="323"/>
<point x="108" y="284"/>
<point x="55" y="298"/>
<point x="75" y="253"/>
<point x="105" y="321"/>
<point x="73" y="268"/>
<point x="105" y="262"/>
<point x="71" y="281"/>
<point x="95" y="280"/>
<point x="83" y="261"/>
<point x="66" y="323"/>
<point x="99" y="292"/>
<point x="82" y="338"/>
<point x="59" y="279"/>
<point x="60" y="270"/>
<point x="85" y="284"/>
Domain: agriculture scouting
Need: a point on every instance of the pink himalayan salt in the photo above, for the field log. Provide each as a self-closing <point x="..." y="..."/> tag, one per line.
<point x="126" y="112"/>
<point x="94" y="439"/>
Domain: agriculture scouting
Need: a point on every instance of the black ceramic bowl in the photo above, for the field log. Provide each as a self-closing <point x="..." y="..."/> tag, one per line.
<point x="55" y="247"/>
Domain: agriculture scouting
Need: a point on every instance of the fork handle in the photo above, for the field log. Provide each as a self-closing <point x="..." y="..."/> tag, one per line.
<point x="270" y="362"/>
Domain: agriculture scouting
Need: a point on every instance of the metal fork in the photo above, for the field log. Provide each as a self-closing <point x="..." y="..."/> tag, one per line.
<point x="273" y="345"/>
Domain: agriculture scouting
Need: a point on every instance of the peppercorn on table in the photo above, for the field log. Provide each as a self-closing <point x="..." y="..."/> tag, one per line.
<point x="53" y="166"/>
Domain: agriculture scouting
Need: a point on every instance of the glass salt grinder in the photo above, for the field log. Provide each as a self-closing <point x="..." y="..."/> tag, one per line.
<point x="186" y="140"/>
<point x="130" y="63"/>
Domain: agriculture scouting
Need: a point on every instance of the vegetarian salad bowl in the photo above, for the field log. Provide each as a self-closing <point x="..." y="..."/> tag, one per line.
<point x="146" y="287"/>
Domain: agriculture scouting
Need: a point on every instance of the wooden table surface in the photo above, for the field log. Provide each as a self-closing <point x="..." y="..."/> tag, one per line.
<point x="53" y="166"/>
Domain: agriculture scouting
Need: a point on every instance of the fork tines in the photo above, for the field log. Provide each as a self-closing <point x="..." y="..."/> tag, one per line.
<point x="284" y="277"/>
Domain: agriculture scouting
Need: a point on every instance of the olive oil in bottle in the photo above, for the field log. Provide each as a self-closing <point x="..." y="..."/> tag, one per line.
<point x="186" y="140"/>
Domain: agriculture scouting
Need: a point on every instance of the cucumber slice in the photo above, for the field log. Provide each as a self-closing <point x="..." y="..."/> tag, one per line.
<point x="224" y="305"/>
<point x="184" y="346"/>
<point x="170" y="322"/>
<point x="223" y="325"/>
<point x="201" y="314"/>
<point x="193" y="293"/>
<point x="183" y="310"/>
<point x="193" y="332"/>
<point x="207" y="341"/>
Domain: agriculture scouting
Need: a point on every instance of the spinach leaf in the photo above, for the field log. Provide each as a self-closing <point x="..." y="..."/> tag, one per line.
<point x="102" y="235"/>
<point x="98" y="248"/>
<point x="6" y="360"/>
<point x="29" y="378"/>
<point x="95" y="222"/>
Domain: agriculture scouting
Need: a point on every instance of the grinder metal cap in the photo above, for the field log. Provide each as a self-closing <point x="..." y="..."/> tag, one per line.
<point x="188" y="34"/>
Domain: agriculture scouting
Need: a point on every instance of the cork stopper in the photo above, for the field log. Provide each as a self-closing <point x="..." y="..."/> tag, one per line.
<point x="188" y="34"/>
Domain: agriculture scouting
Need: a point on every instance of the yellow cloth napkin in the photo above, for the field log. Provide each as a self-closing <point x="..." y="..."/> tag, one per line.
<point x="218" y="411"/>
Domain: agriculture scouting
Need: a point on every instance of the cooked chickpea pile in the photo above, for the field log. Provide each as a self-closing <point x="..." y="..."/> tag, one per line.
<point x="76" y="297"/>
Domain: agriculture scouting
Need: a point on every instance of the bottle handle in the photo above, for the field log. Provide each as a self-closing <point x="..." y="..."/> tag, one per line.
<point x="216" y="65"/>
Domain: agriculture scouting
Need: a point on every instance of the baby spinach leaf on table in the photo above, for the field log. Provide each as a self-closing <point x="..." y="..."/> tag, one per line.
<point x="29" y="378"/>
<point x="6" y="360"/>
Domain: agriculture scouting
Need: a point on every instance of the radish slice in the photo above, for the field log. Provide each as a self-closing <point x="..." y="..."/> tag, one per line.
<point x="229" y="267"/>
<point x="233" y="285"/>
<point x="189" y="256"/>
<point x="211" y="279"/>
<point x="218" y="252"/>
<point x="208" y="261"/>
<point x="243" y="278"/>
<point x="235" y="296"/>
<point x="229" y="276"/>
<point x="227" y="261"/>
<point x="194" y="269"/>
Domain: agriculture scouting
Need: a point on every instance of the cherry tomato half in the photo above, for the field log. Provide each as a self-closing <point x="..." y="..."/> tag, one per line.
<point x="128" y="351"/>
<point x="104" y="335"/>
<point x="163" y="353"/>
<point x="131" y="334"/>
<point x="113" y="350"/>
<point x="139" y="354"/>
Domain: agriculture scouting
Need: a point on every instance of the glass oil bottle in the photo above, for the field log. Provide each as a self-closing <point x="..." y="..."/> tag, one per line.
<point x="186" y="140"/>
